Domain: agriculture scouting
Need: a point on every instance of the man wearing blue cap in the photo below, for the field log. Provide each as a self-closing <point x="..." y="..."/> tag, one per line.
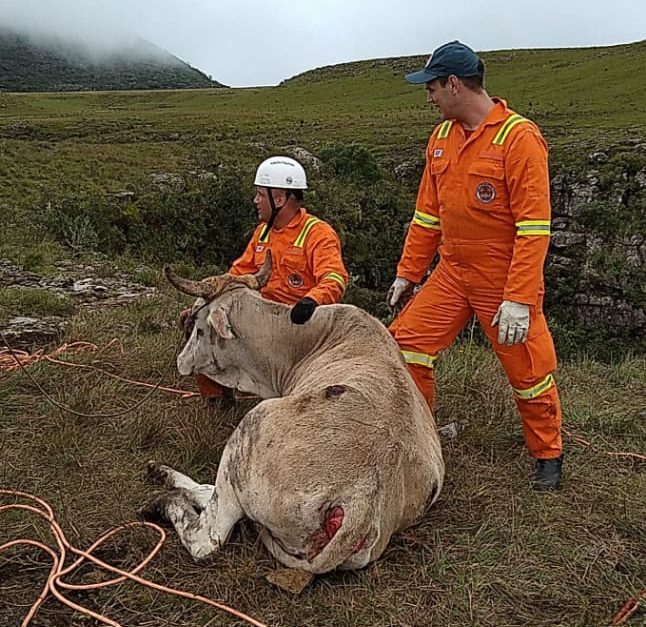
<point x="484" y="204"/>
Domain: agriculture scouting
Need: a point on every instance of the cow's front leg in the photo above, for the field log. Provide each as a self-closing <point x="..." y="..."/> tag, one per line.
<point x="202" y="527"/>
<point x="167" y="477"/>
<point x="196" y="529"/>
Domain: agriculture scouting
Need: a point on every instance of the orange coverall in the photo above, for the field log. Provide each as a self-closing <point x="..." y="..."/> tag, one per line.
<point x="484" y="202"/>
<point x="306" y="261"/>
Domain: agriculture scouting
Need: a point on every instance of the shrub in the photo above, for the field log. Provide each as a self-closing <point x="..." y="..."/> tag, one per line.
<point x="350" y="162"/>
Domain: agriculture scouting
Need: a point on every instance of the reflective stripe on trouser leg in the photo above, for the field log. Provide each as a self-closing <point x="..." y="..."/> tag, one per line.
<point x="208" y="387"/>
<point x="529" y="368"/>
<point x="420" y="368"/>
<point x="542" y="423"/>
<point x="429" y="323"/>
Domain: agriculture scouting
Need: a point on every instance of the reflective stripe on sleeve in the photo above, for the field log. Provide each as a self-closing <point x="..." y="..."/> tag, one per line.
<point x="419" y="359"/>
<point x="536" y="390"/>
<point x="426" y="220"/>
<point x="335" y="276"/>
<point x="533" y="227"/>
<point x="299" y="242"/>
<point x="505" y="129"/>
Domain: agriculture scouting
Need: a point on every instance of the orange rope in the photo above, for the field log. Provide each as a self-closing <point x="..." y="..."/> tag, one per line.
<point x="579" y="440"/>
<point x="12" y="359"/>
<point x="58" y="571"/>
<point x="8" y="360"/>
<point x="182" y="393"/>
<point x="628" y="609"/>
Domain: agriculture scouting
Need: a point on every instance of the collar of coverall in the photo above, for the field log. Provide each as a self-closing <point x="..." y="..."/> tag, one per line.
<point x="499" y="113"/>
<point x="295" y="221"/>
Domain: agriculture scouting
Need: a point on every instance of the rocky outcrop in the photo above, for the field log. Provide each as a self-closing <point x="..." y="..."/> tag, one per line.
<point x="596" y="268"/>
<point x="81" y="284"/>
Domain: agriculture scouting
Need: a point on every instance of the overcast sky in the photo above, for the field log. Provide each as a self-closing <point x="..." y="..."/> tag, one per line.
<point x="253" y="42"/>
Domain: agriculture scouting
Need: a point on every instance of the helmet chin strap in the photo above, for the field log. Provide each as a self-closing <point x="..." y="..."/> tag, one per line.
<point x="274" y="212"/>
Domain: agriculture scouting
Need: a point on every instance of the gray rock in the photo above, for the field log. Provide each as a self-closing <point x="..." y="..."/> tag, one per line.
<point x="27" y="333"/>
<point x="306" y="158"/>
<point x="564" y="239"/>
<point x="85" y="285"/>
<point x="167" y="180"/>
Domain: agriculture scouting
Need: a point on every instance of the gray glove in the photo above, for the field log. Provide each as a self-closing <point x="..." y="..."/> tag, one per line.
<point x="513" y="321"/>
<point x="399" y="293"/>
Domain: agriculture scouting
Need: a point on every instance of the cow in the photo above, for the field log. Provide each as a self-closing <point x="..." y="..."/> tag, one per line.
<point x="342" y="453"/>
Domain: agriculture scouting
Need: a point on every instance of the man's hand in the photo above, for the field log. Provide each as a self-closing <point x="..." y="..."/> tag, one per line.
<point x="513" y="320"/>
<point x="399" y="293"/>
<point x="302" y="311"/>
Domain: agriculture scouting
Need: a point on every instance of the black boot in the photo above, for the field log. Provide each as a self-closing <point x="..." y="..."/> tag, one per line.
<point x="546" y="474"/>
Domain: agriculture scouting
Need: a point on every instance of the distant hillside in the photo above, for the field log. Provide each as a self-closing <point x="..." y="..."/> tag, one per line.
<point x="53" y="64"/>
<point x="561" y="86"/>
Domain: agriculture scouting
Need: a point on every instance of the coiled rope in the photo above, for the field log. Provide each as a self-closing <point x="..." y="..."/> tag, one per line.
<point x="55" y="581"/>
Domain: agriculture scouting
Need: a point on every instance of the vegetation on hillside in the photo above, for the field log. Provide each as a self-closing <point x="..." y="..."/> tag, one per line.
<point x="27" y="65"/>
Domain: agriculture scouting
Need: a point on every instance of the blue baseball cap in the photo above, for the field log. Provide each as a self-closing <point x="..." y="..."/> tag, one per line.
<point x="452" y="58"/>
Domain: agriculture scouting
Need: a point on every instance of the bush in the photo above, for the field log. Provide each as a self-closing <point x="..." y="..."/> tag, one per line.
<point x="206" y="222"/>
<point x="350" y="163"/>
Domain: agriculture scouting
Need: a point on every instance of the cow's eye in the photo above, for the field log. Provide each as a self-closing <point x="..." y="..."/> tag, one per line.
<point x="200" y="332"/>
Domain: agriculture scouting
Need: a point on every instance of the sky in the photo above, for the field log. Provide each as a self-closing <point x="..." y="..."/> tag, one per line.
<point x="262" y="42"/>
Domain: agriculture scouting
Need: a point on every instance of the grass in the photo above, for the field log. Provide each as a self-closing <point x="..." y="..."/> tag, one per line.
<point x="26" y="301"/>
<point x="490" y="552"/>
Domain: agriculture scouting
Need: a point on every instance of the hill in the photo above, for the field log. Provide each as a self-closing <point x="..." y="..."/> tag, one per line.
<point x="574" y="87"/>
<point x="53" y="64"/>
<point x="66" y="155"/>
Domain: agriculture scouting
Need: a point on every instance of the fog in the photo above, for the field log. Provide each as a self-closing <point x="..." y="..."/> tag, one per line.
<point x="248" y="42"/>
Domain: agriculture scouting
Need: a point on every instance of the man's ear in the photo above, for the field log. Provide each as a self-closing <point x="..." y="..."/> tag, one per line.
<point x="219" y="320"/>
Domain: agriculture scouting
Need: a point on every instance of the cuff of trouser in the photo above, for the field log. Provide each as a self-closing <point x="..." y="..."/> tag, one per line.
<point x="549" y="455"/>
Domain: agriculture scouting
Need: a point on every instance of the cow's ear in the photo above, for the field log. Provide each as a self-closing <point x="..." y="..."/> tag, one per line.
<point x="220" y="322"/>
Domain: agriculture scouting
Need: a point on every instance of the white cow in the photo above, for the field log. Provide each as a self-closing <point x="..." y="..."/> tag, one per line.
<point x="343" y="452"/>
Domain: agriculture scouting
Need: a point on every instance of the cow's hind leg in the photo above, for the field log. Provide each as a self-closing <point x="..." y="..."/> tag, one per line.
<point x="167" y="477"/>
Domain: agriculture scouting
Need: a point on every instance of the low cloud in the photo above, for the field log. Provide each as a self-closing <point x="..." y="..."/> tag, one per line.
<point x="81" y="28"/>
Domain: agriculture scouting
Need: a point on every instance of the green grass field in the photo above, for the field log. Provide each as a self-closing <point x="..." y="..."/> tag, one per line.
<point x="107" y="140"/>
<point x="490" y="552"/>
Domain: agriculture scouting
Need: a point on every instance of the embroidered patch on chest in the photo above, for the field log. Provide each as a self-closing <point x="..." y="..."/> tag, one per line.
<point x="485" y="192"/>
<point x="295" y="280"/>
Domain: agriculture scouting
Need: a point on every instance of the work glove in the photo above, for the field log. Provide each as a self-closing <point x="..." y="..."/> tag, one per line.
<point x="513" y="321"/>
<point x="302" y="311"/>
<point x="399" y="293"/>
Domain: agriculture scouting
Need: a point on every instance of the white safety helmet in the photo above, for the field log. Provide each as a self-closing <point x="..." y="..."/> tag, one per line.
<point x="281" y="172"/>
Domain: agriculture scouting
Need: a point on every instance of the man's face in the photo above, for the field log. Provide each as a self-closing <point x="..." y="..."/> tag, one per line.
<point x="441" y="97"/>
<point x="261" y="200"/>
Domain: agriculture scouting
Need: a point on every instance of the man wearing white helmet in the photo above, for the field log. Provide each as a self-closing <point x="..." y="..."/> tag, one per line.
<point x="307" y="268"/>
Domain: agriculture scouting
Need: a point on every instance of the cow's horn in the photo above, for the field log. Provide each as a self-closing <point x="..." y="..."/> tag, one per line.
<point x="193" y="288"/>
<point x="262" y="276"/>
